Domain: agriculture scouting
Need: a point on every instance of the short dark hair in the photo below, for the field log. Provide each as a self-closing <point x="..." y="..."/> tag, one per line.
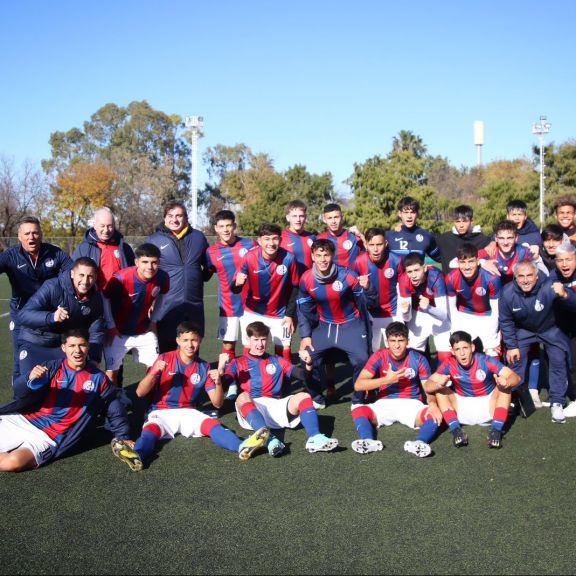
<point x="517" y="205"/>
<point x="467" y="250"/>
<point x="459" y="336"/>
<point x="268" y="229"/>
<point x="413" y="258"/>
<point x="397" y="329"/>
<point x="171" y="204"/>
<point x="332" y="207"/>
<point x="565" y="201"/>
<point x="374" y="231"/>
<point x="147" y="250"/>
<point x="84" y="261"/>
<point x="463" y="212"/>
<point x="323" y="244"/>
<point x="293" y="204"/>
<point x="257" y="329"/>
<point x="186" y="326"/>
<point x="223" y="215"/>
<point x="410" y="203"/>
<point x="552" y="232"/>
<point x="506" y="226"/>
<point x="75" y="333"/>
<point x="28" y="220"/>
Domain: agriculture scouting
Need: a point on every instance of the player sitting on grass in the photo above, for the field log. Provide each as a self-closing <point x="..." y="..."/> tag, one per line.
<point x="472" y="388"/>
<point x="396" y="373"/>
<point x="174" y="383"/>
<point x="54" y="405"/>
<point x="265" y="400"/>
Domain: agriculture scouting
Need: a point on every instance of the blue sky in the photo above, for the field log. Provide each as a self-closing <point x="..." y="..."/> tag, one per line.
<point x="324" y="83"/>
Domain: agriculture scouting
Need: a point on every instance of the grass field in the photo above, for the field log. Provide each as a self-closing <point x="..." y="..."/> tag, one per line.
<point x="199" y="510"/>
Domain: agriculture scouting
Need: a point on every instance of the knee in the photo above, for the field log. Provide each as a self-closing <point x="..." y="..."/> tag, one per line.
<point x="10" y="463"/>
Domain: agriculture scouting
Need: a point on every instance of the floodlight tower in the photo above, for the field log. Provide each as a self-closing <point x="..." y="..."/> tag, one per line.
<point x="196" y="126"/>
<point x="541" y="128"/>
<point x="478" y="141"/>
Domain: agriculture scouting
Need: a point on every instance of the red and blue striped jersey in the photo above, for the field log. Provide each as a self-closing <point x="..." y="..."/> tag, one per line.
<point x="348" y="247"/>
<point x="336" y="301"/>
<point x="478" y="380"/>
<point x="506" y="264"/>
<point x="131" y="299"/>
<point x="180" y="384"/>
<point x="384" y="280"/>
<point x="225" y="259"/>
<point x="70" y="397"/>
<point x="433" y="287"/>
<point x="270" y="282"/>
<point x="299" y="245"/>
<point x="473" y="297"/>
<point x="261" y="376"/>
<point x="409" y="386"/>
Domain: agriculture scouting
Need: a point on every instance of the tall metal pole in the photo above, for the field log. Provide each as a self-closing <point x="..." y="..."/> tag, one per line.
<point x="541" y="128"/>
<point x="196" y="125"/>
<point x="479" y="141"/>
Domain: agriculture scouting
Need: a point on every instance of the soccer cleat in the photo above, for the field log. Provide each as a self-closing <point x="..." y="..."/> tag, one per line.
<point x="558" y="416"/>
<point x="495" y="438"/>
<point x="275" y="446"/>
<point x="122" y="451"/>
<point x="367" y="445"/>
<point x="418" y="448"/>
<point x="252" y="443"/>
<point x="459" y="437"/>
<point x="536" y="398"/>
<point x="232" y="393"/>
<point x="321" y="443"/>
<point x="570" y="410"/>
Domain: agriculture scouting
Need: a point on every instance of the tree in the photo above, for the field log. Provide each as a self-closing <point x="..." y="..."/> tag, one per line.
<point x="407" y="141"/>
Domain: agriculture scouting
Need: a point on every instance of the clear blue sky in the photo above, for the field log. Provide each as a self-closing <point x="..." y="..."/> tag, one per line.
<point x="324" y="83"/>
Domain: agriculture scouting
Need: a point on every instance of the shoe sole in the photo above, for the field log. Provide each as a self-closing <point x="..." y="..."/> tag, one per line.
<point x="362" y="447"/>
<point x="259" y="439"/>
<point x="118" y="447"/>
<point x="278" y="451"/>
<point x="328" y="447"/>
<point x="558" y="421"/>
<point x="420" y="450"/>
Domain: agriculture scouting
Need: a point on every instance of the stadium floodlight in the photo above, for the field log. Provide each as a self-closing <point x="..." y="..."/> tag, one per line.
<point x="196" y="126"/>
<point x="541" y="128"/>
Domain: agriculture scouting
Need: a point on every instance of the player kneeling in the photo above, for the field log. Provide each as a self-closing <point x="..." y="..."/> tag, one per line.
<point x="174" y="383"/>
<point x="472" y="388"/>
<point x="396" y="373"/>
<point x="264" y="401"/>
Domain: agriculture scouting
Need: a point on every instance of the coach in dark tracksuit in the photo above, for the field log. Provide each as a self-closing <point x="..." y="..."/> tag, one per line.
<point x="528" y="311"/>
<point x="70" y="301"/>
<point x="28" y="266"/>
<point x="183" y="257"/>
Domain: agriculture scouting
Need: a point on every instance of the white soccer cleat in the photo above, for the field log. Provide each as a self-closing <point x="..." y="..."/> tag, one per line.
<point x="557" y="411"/>
<point x="367" y="445"/>
<point x="570" y="410"/>
<point x="418" y="448"/>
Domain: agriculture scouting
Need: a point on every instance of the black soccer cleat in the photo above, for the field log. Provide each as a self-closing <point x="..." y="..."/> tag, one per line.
<point x="495" y="438"/>
<point x="459" y="438"/>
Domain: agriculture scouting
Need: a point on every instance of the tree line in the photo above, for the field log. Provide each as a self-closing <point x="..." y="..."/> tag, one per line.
<point x="135" y="158"/>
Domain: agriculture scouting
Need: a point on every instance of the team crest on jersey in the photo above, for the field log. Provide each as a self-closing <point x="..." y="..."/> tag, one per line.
<point x="538" y="306"/>
<point x="281" y="270"/>
<point x="309" y="241"/>
<point x="155" y="291"/>
<point x="116" y="253"/>
<point x="23" y="354"/>
<point x="195" y="378"/>
<point x="419" y="238"/>
<point x="270" y="369"/>
<point x="242" y="252"/>
<point x="337" y="286"/>
<point x="11" y="325"/>
<point x="49" y="263"/>
<point x="480" y="375"/>
<point x="389" y="273"/>
<point x="347" y="244"/>
<point x="88" y="386"/>
<point x="86" y="310"/>
<point x="410" y="373"/>
<point x="480" y="291"/>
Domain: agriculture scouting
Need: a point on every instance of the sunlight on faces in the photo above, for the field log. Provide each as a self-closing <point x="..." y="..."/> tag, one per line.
<point x="76" y="350"/>
<point x="566" y="264"/>
<point x="464" y="353"/>
<point x="565" y="216"/>
<point x="323" y="260"/>
<point x="188" y="345"/>
<point x="30" y="237"/>
<point x="83" y="279"/>
<point x="334" y="221"/>
<point x="408" y="217"/>
<point x="517" y="216"/>
<point x="416" y="273"/>
<point x="296" y="219"/>
<point x="506" y="240"/>
<point x="397" y="345"/>
<point x="147" y="267"/>
<point x="104" y="225"/>
<point x="270" y="243"/>
<point x="525" y="276"/>
<point x="176" y="220"/>
<point x="376" y="247"/>
<point x="469" y="267"/>
<point x="463" y="225"/>
<point x="226" y="231"/>
<point x="257" y="345"/>
<point x="550" y="245"/>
